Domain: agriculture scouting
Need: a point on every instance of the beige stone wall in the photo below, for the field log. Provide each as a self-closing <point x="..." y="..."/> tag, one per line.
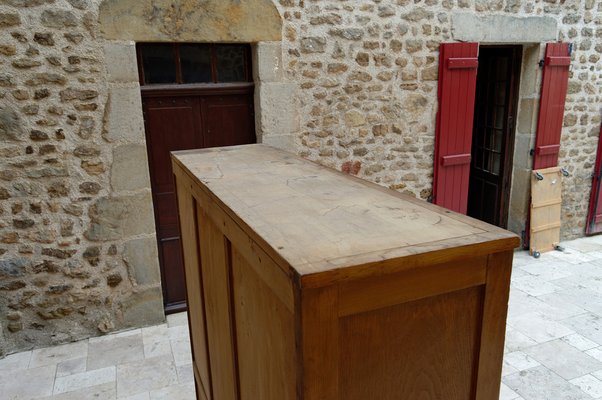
<point x="367" y="86"/>
<point x="352" y="85"/>
<point x="77" y="236"/>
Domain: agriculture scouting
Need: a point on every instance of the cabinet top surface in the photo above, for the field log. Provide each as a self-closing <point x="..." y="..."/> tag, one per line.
<point x="318" y="219"/>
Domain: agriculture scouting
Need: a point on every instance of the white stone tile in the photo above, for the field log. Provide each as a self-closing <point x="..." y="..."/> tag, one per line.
<point x="539" y="327"/>
<point x="105" y="391"/>
<point x="185" y="373"/>
<point x="179" y="319"/>
<point x="595" y="353"/>
<point x="155" y="349"/>
<point x="86" y="379"/>
<point x="589" y="384"/>
<point x="71" y="367"/>
<point x="57" y="354"/>
<point x="182" y="353"/>
<point x="507" y="394"/>
<point x="516" y="340"/>
<point x="564" y="359"/>
<point x="557" y="308"/>
<point x="137" y="396"/>
<point x="582" y="245"/>
<point x="14" y="362"/>
<point x="26" y="384"/>
<point x="179" y="332"/>
<point x="583" y="297"/>
<point x="520" y="360"/>
<point x="540" y="383"/>
<point x="549" y="271"/>
<point x="579" y="342"/>
<point x="157" y="333"/>
<point x="184" y="391"/>
<point x="508" y="369"/>
<point x="588" y="325"/>
<point x="145" y="375"/>
<point x="115" y="350"/>
<point x="534" y="286"/>
<point x="115" y="336"/>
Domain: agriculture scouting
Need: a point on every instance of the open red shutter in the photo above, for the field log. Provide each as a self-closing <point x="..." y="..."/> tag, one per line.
<point x="551" y="105"/>
<point x="457" y="84"/>
<point x="594" y="219"/>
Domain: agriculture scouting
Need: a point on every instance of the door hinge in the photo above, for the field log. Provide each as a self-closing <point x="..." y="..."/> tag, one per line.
<point x="532" y="152"/>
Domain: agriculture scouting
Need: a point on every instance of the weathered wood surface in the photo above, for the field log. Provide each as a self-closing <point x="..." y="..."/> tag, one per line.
<point x="318" y="220"/>
<point x="546" y="200"/>
<point x="308" y="284"/>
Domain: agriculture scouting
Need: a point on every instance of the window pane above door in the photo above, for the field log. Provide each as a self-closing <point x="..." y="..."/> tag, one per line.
<point x="231" y="63"/>
<point x="196" y="63"/>
<point x="159" y="63"/>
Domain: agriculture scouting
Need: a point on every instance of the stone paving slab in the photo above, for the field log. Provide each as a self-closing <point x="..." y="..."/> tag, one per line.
<point x="553" y="344"/>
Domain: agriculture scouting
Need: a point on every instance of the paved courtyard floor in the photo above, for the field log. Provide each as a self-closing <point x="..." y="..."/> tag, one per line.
<point x="553" y="344"/>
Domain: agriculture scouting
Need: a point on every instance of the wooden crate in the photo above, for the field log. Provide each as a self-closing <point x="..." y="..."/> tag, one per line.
<point x="306" y="283"/>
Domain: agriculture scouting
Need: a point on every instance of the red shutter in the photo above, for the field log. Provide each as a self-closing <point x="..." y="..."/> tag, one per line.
<point x="551" y="105"/>
<point x="457" y="85"/>
<point x="594" y="219"/>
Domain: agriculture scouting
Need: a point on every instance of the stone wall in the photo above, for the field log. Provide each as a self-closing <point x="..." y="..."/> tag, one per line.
<point x="367" y="75"/>
<point x="352" y="85"/>
<point x="77" y="243"/>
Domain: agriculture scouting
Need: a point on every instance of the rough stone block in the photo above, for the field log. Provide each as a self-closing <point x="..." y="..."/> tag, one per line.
<point x="142" y="259"/>
<point x="122" y="216"/>
<point x="144" y="308"/>
<point x="526" y="120"/>
<point x="278" y="111"/>
<point x="503" y="28"/>
<point x="129" y="170"/>
<point x="522" y="146"/>
<point x="267" y="62"/>
<point x="284" y="142"/>
<point x="121" y="63"/>
<point x="124" y="117"/>
<point x="146" y="20"/>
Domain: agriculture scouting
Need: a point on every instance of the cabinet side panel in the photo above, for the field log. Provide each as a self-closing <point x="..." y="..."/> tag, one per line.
<point x="499" y="268"/>
<point x="424" y="349"/>
<point x="320" y="343"/>
<point x="265" y="333"/>
<point x="194" y="289"/>
<point x="215" y="259"/>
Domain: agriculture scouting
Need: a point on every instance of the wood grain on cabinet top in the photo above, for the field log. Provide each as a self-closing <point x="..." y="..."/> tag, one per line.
<point x="317" y="222"/>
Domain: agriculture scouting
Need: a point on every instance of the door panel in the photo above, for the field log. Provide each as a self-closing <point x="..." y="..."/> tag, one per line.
<point x="493" y="134"/>
<point x="594" y="219"/>
<point x="229" y="120"/>
<point x="182" y="119"/>
<point x="457" y="79"/>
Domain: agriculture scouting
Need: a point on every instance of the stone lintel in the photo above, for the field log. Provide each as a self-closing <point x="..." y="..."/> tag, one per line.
<point x="503" y="28"/>
<point x="248" y="21"/>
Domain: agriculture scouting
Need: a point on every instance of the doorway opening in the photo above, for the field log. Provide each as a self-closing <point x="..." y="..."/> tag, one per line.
<point x="194" y="95"/>
<point x="496" y="106"/>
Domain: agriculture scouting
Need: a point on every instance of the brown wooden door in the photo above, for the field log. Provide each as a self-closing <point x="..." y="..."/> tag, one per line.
<point x="493" y="134"/>
<point x="208" y="118"/>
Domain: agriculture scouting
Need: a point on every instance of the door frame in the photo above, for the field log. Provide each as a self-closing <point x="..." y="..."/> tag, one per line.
<point x="508" y="150"/>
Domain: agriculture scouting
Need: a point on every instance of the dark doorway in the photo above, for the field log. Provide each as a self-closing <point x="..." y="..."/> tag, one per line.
<point x="193" y="96"/>
<point x="493" y="133"/>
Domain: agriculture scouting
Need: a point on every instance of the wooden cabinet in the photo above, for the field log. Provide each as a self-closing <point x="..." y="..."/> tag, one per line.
<point x="306" y="283"/>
